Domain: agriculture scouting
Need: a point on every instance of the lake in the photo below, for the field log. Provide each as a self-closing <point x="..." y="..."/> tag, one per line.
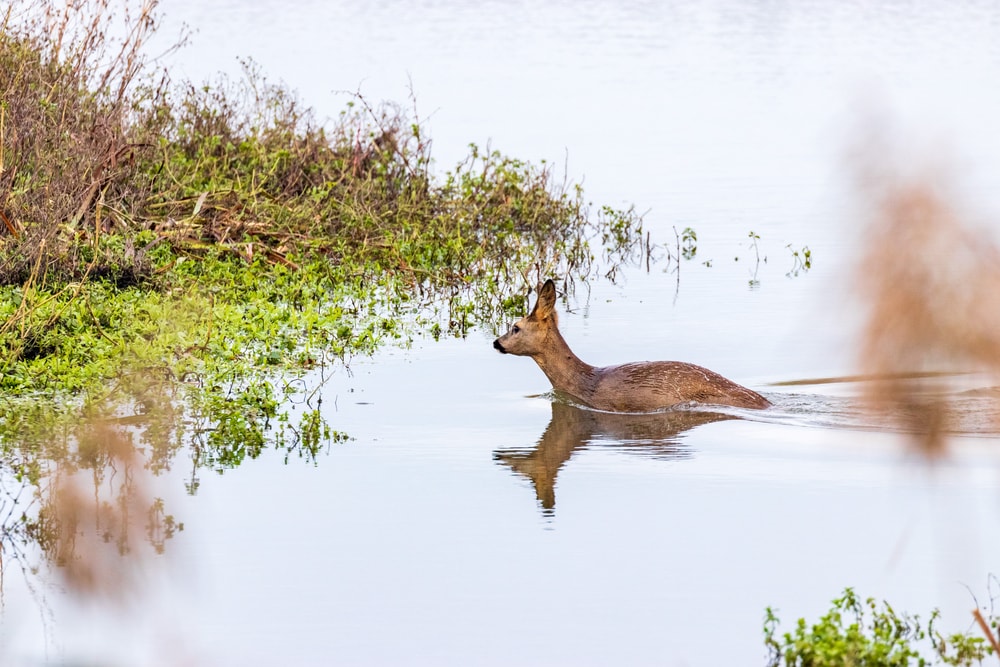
<point x="472" y="519"/>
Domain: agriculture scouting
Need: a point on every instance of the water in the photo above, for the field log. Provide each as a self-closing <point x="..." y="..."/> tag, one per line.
<point x="471" y="520"/>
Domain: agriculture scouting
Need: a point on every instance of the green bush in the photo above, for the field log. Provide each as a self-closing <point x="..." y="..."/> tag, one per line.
<point x="868" y="634"/>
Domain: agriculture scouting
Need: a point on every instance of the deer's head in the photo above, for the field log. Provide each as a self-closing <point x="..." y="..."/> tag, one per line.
<point x="530" y="336"/>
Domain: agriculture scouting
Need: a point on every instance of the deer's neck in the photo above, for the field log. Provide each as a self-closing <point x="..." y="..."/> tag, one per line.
<point x="566" y="371"/>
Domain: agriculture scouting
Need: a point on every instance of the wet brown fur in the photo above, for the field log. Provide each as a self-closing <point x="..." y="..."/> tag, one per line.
<point x="634" y="387"/>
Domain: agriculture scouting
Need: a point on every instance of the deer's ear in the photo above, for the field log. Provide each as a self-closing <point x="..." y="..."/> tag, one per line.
<point x="546" y="305"/>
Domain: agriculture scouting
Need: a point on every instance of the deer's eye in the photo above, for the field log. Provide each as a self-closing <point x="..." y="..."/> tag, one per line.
<point x="516" y="329"/>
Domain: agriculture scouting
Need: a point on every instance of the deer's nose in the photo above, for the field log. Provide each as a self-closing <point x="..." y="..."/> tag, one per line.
<point x="498" y="346"/>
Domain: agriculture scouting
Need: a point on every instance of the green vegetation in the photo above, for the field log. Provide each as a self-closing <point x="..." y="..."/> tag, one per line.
<point x="182" y="263"/>
<point x="868" y="634"/>
<point x="178" y="230"/>
<point x="801" y="260"/>
<point x="688" y="241"/>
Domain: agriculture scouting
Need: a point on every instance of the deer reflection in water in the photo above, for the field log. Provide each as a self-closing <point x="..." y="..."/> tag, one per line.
<point x="655" y="435"/>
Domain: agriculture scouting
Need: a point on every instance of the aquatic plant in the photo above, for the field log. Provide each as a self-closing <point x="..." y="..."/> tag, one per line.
<point x="801" y="260"/>
<point x="868" y="633"/>
<point x="181" y="263"/>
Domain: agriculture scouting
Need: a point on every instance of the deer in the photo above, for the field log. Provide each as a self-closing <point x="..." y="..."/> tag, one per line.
<point x="644" y="386"/>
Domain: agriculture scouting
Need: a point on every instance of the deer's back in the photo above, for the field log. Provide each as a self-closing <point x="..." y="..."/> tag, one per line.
<point x="652" y="385"/>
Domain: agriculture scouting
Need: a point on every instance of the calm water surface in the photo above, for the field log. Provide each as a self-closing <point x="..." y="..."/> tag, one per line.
<point x="471" y="520"/>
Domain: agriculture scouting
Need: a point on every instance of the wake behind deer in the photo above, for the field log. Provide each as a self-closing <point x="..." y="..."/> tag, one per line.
<point x="642" y="386"/>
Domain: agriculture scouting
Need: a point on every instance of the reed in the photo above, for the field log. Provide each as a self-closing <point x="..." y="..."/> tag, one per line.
<point x="930" y="282"/>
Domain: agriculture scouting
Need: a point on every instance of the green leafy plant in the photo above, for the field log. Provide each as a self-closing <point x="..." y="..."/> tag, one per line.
<point x="801" y="260"/>
<point x="868" y="634"/>
<point x="689" y="243"/>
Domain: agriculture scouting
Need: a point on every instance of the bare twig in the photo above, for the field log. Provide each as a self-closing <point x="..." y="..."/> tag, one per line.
<point x="10" y="225"/>
<point x="985" y="627"/>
